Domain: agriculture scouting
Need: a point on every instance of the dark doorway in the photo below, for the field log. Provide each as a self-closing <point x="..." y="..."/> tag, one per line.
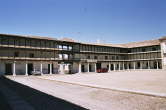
<point x="138" y="65"/>
<point x="98" y="65"/>
<point x="129" y="66"/>
<point x="30" y="68"/>
<point x="82" y="68"/>
<point x="90" y="68"/>
<point x="108" y="67"/>
<point x="8" y="69"/>
<point x="155" y="65"/>
<point x="112" y="67"/>
<point x="49" y="68"/>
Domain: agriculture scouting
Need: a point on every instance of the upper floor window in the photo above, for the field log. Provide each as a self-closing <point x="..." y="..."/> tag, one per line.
<point x="154" y="49"/>
<point x="95" y="57"/>
<point x="106" y="57"/>
<point x="16" y="54"/>
<point x="129" y="51"/>
<point x="88" y="57"/>
<point x="31" y="55"/>
<point x="143" y="50"/>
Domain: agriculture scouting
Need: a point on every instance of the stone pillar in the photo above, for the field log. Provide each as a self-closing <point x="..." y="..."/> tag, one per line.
<point x="95" y="68"/>
<point x="127" y="66"/>
<point x="79" y="68"/>
<point x="114" y="67"/>
<point x="26" y="69"/>
<point x="14" y="68"/>
<point x="123" y="66"/>
<point x="140" y="65"/>
<point x="88" y="67"/>
<point x="134" y="65"/>
<point x="61" y="68"/>
<point x="148" y="65"/>
<point x="119" y="66"/>
<point x="109" y="69"/>
<point x="41" y="68"/>
<point x="157" y="65"/>
<point x="50" y="68"/>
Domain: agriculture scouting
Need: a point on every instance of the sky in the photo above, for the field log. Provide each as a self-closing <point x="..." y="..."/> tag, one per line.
<point x="108" y="21"/>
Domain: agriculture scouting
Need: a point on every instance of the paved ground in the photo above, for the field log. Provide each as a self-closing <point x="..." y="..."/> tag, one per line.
<point x="16" y="96"/>
<point x="96" y="98"/>
<point x="149" y="82"/>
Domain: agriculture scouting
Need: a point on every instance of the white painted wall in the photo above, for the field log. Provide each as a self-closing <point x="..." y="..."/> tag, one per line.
<point x="163" y="49"/>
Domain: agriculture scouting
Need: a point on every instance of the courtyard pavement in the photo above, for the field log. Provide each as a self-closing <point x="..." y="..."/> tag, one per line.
<point x="92" y="90"/>
<point x="149" y="82"/>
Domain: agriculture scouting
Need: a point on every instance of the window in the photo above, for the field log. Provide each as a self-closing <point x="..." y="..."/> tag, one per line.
<point x="16" y="54"/>
<point x="31" y="55"/>
<point x="106" y="57"/>
<point x="88" y="57"/>
<point x="113" y="57"/>
<point x="143" y="50"/>
<point x="154" y="49"/>
<point x="95" y="57"/>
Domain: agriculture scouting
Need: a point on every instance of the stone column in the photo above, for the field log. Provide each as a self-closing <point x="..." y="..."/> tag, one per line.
<point x="148" y="65"/>
<point x="134" y="65"/>
<point x="79" y="68"/>
<point x="123" y="66"/>
<point x="157" y="65"/>
<point x="14" y="68"/>
<point x="109" y="69"/>
<point x="140" y="65"/>
<point x="88" y="67"/>
<point x="95" y="67"/>
<point x="119" y="66"/>
<point x="127" y="66"/>
<point x="26" y="69"/>
<point x="61" y="68"/>
<point x="50" y="68"/>
<point x="41" y="68"/>
<point x="114" y="67"/>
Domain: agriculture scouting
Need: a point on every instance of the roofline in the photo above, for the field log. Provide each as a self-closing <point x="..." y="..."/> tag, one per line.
<point x="36" y="37"/>
<point x="103" y="45"/>
<point x="162" y="38"/>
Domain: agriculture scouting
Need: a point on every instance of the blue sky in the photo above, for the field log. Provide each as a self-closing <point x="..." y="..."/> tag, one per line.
<point x="111" y="21"/>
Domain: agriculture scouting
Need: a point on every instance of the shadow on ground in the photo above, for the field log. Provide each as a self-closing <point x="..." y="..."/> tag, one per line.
<point x="37" y="99"/>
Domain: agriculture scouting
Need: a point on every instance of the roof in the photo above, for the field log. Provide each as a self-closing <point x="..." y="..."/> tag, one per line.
<point x="107" y="45"/>
<point x="130" y="45"/>
<point x="67" y="39"/>
<point x="127" y="45"/>
<point x="162" y="38"/>
<point x="142" y="43"/>
<point x="29" y="36"/>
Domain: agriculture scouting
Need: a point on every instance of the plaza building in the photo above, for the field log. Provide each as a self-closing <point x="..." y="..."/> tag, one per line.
<point x="22" y="55"/>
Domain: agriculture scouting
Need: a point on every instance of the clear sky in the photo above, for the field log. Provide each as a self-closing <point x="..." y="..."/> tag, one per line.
<point x="111" y="21"/>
